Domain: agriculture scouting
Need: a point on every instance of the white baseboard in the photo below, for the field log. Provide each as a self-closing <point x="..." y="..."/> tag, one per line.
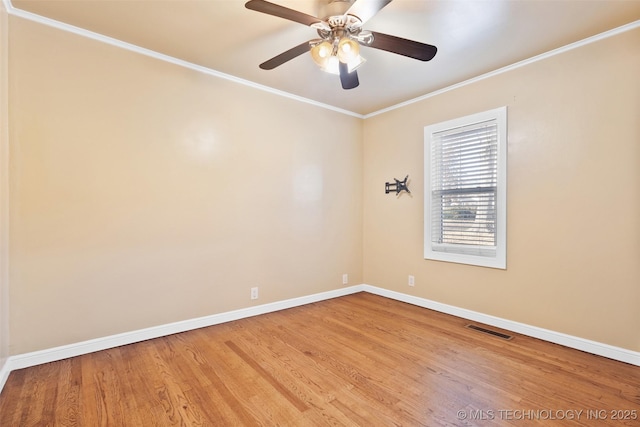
<point x="4" y="372"/>
<point x="34" y="358"/>
<point x="26" y="360"/>
<point x="593" y="347"/>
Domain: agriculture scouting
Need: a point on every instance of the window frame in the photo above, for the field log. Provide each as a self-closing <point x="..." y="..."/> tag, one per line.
<point x="499" y="259"/>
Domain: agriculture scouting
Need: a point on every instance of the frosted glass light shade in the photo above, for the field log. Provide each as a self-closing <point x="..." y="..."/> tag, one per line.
<point x="332" y="65"/>
<point x="348" y="50"/>
<point x="321" y="53"/>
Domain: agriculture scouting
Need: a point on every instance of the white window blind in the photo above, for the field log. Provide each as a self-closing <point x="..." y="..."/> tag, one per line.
<point x="464" y="190"/>
<point x="464" y="182"/>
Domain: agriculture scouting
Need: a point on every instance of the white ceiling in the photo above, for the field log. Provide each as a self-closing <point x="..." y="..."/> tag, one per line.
<point x="473" y="37"/>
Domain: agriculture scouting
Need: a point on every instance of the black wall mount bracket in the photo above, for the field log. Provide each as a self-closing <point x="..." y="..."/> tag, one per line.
<point x="397" y="186"/>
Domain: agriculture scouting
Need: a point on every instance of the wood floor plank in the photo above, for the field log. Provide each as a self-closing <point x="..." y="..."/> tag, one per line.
<point x="67" y="405"/>
<point x="359" y="360"/>
<point x="10" y="401"/>
<point x="109" y="396"/>
<point x="247" y="390"/>
<point x="219" y="401"/>
<point x="39" y="395"/>
<point x="142" y="400"/>
<point x="309" y="385"/>
<point x="292" y="398"/>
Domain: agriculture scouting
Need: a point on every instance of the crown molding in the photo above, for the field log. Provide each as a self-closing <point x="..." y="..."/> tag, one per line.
<point x="542" y="56"/>
<point x="11" y="10"/>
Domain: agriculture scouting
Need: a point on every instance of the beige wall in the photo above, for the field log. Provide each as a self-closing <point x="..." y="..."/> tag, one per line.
<point x="143" y="193"/>
<point x="573" y="229"/>
<point x="4" y="188"/>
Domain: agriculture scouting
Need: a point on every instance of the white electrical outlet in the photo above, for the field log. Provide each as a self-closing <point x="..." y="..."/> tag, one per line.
<point x="412" y="280"/>
<point x="254" y="293"/>
<point x="345" y="279"/>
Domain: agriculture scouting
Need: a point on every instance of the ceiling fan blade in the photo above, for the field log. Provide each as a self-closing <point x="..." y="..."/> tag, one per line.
<point x="281" y="12"/>
<point x="366" y="9"/>
<point x="410" y="48"/>
<point x="285" y="56"/>
<point x="348" y="79"/>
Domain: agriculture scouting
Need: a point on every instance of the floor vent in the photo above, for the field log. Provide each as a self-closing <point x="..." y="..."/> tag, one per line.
<point x="489" y="331"/>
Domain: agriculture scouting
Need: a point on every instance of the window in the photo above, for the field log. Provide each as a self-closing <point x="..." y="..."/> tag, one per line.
<point x="465" y="189"/>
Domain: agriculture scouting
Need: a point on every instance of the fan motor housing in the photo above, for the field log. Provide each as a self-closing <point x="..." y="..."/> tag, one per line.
<point x="335" y="7"/>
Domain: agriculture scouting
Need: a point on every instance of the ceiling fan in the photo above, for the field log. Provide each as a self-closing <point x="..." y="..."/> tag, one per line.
<point x="338" y="49"/>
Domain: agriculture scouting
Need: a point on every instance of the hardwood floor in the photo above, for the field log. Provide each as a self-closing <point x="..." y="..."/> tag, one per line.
<point x="356" y="360"/>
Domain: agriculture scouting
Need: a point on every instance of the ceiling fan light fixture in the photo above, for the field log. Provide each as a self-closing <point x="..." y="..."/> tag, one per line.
<point x="341" y="34"/>
<point x="321" y="53"/>
<point x="348" y="50"/>
<point x="332" y="65"/>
